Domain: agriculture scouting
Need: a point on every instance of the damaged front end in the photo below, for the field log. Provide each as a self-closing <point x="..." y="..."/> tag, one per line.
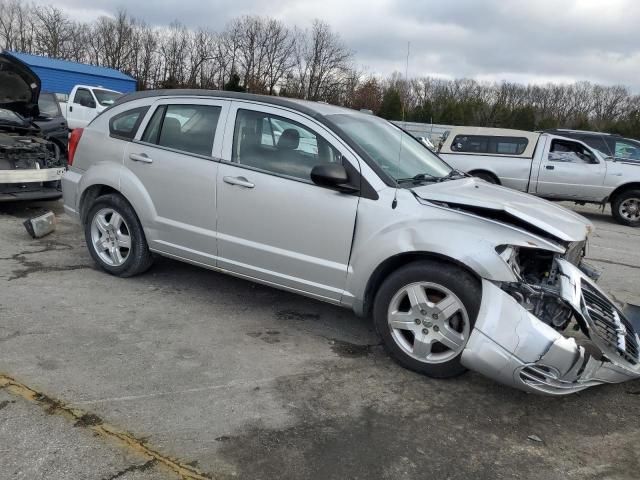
<point x="553" y="331"/>
<point x="30" y="167"/>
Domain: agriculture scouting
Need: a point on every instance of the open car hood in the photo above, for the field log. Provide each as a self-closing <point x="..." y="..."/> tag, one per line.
<point x="19" y="86"/>
<point x="508" y="206"/>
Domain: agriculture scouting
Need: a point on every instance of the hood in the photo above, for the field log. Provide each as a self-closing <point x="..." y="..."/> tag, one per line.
<point x="508" y="206"/>
<point x="19" y="86"/>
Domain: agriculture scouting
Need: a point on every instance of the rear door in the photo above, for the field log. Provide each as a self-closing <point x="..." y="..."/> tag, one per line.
<point x="571" y="170"/>
<point x="274" y="223"/>
<point x="175" y="158"/>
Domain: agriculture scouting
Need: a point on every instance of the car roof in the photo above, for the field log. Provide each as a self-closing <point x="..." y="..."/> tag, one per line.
<point x="319" y="111"/>
<point x="581" y="132"/>
<point x="310" y="108"/>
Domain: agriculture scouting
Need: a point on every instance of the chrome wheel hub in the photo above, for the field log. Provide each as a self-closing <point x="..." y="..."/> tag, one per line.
<point x="110" y="237"/>
<point x="630" y="209"/>
<point x="428" y="322"/>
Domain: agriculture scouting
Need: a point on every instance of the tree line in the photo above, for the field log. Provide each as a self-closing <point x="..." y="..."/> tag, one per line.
<point x="264" y="55"/>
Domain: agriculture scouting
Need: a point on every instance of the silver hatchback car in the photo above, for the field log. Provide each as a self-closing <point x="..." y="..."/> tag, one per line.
<point x="349" y="209"/>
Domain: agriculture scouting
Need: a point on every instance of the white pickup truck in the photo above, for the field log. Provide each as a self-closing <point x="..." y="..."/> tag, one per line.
<point x="85" y="103"/>
<point x="547" y="165"/>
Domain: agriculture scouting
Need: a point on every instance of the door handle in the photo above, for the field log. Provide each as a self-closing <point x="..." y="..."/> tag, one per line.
<point x="71" y="108"/>
<point x="140" y="157"/>
<point x="549" y="167"/>
<point x="239" y="181"/>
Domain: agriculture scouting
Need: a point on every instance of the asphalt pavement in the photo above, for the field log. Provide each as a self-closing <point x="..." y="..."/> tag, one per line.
<point x="185" y="371"/>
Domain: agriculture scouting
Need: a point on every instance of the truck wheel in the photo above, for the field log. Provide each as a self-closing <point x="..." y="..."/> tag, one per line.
<point x="424" y="313"/>
<point x="487" y="177"/>
<point x="625" y="208"/>
<point x="115" y="237"/>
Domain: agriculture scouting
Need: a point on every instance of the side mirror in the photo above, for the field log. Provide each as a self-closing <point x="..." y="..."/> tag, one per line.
<point x="91" y="104"/>
<point x="332" y="175"/>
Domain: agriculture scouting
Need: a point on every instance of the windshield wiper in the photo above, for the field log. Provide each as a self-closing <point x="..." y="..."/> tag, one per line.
<point x="421" y="177"/>
<point x="452" y="174"/>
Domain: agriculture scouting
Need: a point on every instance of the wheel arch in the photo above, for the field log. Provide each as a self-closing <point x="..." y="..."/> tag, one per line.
<point x="485" y="172"/>
<point x="90" y="194"/>
<point x="393" y="263"/>
<point x="621" y="189"/>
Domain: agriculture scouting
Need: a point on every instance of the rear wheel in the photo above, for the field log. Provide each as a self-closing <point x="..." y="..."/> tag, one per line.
<point x="115" y="237"/>
<point x="424" y="313"/>
<point x="625" y="208"/>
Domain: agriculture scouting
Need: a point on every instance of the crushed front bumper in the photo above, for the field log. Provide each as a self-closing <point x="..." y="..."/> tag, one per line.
<point x="511" y="346"/>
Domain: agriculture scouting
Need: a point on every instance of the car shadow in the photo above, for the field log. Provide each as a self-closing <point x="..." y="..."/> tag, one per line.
<point x="286" y="309"/>
<point x="28" y="209"/>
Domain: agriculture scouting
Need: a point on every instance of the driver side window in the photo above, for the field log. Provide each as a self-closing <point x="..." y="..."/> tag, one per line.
<point x="83" y="97"/>
<point x="569" y="152"/>
<point x="279" y="145"/>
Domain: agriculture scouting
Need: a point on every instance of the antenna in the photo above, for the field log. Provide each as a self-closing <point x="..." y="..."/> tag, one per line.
<point x="394" y="203"/>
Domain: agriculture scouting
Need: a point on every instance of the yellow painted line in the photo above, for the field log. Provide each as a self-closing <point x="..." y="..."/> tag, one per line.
<point x="93" y="422"/>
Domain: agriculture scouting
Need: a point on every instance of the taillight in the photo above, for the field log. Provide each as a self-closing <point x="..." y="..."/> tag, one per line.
<point x="74" y="138"/>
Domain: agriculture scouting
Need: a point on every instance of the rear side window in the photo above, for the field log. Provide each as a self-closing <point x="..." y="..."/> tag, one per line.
<point x="188" y="128"/>
<point x="489" y="144"/>
<point x="125" y="124"/>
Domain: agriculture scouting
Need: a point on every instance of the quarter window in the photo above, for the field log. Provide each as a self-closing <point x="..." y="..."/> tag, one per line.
<point x="189" y="128"/>
<point x="279" y="145"/>
<point x="486" y="144"/>
<point x="125" y="124"/>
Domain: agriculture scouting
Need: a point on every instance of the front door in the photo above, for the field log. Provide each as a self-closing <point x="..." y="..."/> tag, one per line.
<point x="571" y="170"/>
<point x="175" y="157"/>
<point x="274" y="223"/>
<point x="81" y="109"/>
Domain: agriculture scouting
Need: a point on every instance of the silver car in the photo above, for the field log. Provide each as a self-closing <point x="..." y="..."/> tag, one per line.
<point x="346" y="208"/>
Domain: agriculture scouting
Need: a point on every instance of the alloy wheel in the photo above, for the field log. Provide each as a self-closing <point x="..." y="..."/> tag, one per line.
<point x="630" y="209"/>
<point x="110" y="236"/>
<point x="428" y="322"/>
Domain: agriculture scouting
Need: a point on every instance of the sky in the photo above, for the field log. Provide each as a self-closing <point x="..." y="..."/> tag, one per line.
<point x="534" y="41"/>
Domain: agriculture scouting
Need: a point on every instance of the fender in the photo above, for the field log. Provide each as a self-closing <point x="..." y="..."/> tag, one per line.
<point x="136" y="193"/>
<point x="123" y="180"/>
<point x="103" y="173"/>
<point x="421" y="230"/>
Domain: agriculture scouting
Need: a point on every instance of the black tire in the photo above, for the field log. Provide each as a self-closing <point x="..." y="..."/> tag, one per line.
<point x="139" y="258"/>
<point x="455" y="279"/>
<point x="487" y="177"/>
<point x="617" y="205"/>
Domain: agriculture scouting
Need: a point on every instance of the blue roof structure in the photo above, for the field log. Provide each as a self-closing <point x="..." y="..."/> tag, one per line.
<point x="60" y="76"/>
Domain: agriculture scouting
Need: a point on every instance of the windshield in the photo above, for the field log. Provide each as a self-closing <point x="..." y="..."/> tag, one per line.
<point x="7" y="116"/>
<point x="106" y="97"/>
<point x="48" y="105"/>
<point x="399" y="154"/>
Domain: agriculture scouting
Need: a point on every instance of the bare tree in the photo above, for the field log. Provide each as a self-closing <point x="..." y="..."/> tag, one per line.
<point x="53" y="33"/>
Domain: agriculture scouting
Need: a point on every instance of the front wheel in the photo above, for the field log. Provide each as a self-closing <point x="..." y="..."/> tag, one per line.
<point x="625" y="208"/>
<point x="424" y="313"/>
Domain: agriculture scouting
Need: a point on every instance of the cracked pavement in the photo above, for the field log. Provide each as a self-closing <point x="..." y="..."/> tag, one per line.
<point x="240" y="380"/>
